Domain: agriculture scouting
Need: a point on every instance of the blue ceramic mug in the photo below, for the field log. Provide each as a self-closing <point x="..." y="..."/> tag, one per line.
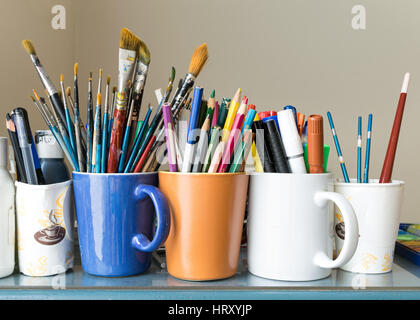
<point x="115" y="218"/>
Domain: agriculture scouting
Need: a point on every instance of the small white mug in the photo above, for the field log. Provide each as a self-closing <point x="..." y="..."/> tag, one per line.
<point x="45" y="223"/>
<point x="290" y="226"/>
<point x="378" y="208"/>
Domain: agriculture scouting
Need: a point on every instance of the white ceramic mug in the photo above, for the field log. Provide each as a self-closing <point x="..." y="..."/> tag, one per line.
<point x="290" y="226"/>
<point x="45" y="223"/>
<point x="378" y="208"/>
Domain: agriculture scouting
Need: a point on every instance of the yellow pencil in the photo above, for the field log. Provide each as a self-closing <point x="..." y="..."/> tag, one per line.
<point x="233" y="109"/>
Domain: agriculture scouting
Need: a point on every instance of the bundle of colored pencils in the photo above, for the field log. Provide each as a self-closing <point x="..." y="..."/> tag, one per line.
<point x="115" y="139"/>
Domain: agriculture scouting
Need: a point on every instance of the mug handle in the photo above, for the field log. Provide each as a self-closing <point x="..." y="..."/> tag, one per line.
<point x="352" y="230"/>
<point x="140" y="241"/>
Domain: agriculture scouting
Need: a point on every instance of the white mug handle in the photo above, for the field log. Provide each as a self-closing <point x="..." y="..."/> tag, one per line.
<point x="352" y="230"/>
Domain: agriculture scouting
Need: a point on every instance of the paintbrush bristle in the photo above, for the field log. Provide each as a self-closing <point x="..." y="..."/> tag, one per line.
<point x="32" y="98"/>
<point x="198" y="59"/>
<point x="172" y="75"/>
<point x="61" y="77"/>
<point x="76" y="66"/>
<point x="108" y="80"/>
<point x="90" y="76"/>
<point x="68" y="91"/>
<point x="128" y="40"/>
<point x="29" y="47"/>
<point x="36" y="94"/>
<point x="114" y="88"/>
<point x="143" y="53"/>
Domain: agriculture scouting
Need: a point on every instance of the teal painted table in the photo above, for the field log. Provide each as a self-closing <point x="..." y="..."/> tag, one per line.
<point x="402" y="283"/>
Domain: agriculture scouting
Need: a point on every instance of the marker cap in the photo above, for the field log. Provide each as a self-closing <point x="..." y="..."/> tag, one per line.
<point x="315" y="144"/>
<point x="289" y="134"/>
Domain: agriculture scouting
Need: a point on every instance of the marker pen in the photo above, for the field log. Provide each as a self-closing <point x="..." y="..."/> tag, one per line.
<point x="291" y="141"/>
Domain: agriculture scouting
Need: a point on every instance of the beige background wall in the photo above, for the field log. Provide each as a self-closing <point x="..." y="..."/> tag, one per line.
<point x="303" y="53"/>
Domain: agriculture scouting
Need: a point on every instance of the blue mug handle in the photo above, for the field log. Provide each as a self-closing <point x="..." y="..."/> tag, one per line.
<point x="140" y="241"/>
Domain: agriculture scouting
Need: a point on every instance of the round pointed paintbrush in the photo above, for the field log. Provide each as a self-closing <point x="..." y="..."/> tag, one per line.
<point x="45" y="79"/>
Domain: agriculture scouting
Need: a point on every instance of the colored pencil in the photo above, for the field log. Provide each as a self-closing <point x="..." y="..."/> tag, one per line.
<point x="388" y="165"/>
<point x="234" y="135"/>
<point x="230" y="118"/>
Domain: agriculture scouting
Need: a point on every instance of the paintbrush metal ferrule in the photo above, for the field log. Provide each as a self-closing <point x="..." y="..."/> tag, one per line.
<point x="127" y="59"/>
<point x="140" y="77"/>
<point x="186" y="85"/>
<point x="45" y="79"/>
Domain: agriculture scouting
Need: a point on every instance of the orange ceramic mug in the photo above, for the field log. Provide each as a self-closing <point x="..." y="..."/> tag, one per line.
<point x="207" y="215"/>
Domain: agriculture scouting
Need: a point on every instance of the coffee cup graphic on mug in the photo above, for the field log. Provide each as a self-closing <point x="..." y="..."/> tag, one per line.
<point x="378" y="208"/>
<point x="290" y="226"/>
<point x="45" y="223"/>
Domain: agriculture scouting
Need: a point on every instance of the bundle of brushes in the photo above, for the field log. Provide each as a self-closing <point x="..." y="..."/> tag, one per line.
<point x="113" y="138"/>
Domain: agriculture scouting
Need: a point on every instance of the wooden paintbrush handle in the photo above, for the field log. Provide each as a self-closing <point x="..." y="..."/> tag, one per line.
<point x="116" y="140"/>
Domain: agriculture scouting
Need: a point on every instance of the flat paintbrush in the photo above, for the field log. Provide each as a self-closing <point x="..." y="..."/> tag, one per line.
<point x="129" y="44"/>
<point x="142" y="67"/>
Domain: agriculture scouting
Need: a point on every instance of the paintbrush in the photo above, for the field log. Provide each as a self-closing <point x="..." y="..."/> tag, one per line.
<point x="129" y="44"/>
<point x="45" y="79"/>
<point x="96" y="145"/>
<point x="105" y="127"/>
<point x="127" y="135"/>
<point x="111" y="113"/>
<point x="52" y="125"/>
<point x="142" y="67"/>
<point x="69" y="122"/>
<point x="100" y="81"/>
<point x="61" y="129"/>
<point x="82" y="127"/>
<point x="197" y="62"/>
<point x="89" y="126"/>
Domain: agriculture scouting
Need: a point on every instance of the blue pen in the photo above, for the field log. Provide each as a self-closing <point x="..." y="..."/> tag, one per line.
<point x="192" y="125"/>
<point x="130" y="163"/>
<point x="359" y="150"/>
<point x="367" y="156"/>
<point x="337" y="146"/>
